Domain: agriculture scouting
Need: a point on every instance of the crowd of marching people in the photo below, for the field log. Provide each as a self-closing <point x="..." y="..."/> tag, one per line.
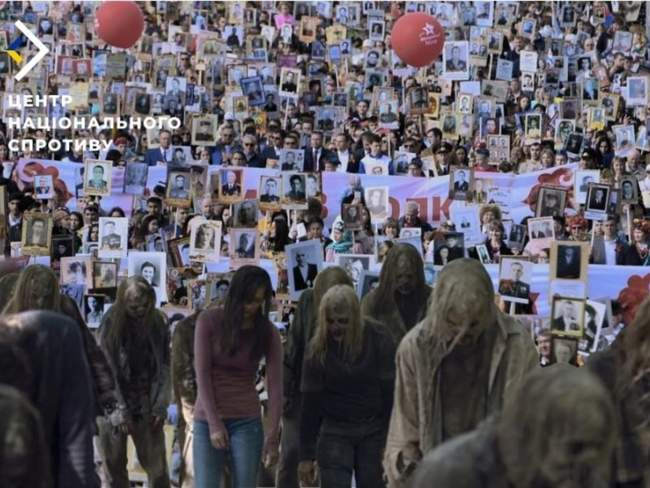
<point x="261" y="295"/>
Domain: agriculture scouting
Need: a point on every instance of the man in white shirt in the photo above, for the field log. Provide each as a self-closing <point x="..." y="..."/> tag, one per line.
<point x="377" y="157"/>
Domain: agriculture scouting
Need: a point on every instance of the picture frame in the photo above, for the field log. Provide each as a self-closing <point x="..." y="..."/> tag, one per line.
<point x="581" y="181"/>
<point x="152" y="266"/>
<point x="569" y="260"/>
<point x="351" y="215"/>
<point x="113" y="237"/>
<point x="104" y="275"/>
<point x="205" y="240"/>
<point x="93" y="307"/>
<point x="551" y="201"/>
<point x="76" y="271"/>
<point x="178" y="190"/>
<point x="461" y="183"/>
<point x="294" y="185"/>
<point x="243" y="247"/>
<point x="541" y="229"/>
<point x="204" y="130"/>
<point x="456" y="60"/>
<point x="354" y="265"/>
<point x="97" y="177"/>
<point x="515" y="278"/>
<point x="597" y="203"/>
<point x="43" y="187"/>
<point x="289" y="82"/>
<point x="304" y="262"/>
<point x="36" y="239"/>
<point x="230" y="184"/>
<point x="270" y="191"/>
<point x="245" y="213"/>
<point x="567" y="316"/>
<point x="629" y="190"/>
<point x="377" y="203"/>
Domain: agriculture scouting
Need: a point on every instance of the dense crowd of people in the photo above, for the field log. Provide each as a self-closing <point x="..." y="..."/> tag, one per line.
<point x="200" y="289"/>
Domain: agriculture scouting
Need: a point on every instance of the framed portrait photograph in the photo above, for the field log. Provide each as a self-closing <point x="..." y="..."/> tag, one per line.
<point x="565" y="350"/>
<point x="533" y="127"/>
<point x="178" y="192"/>
<point x="354" y="265"/>
<point x="43" y="187"/>
<point x="113" y="237"/>
<point x="76" y="271"/>
<point x="461" y="183"/>
<point x="528" y="61"/>
<point x="294" y="187"/>
<point x="598" y="197"/>
<point x="595" y="318"/>
<point x="551" y="201"/>
<point x="179" y="249"/>
<point x="253" y="90"/>
<point x="304" y="262"/>
<point x="204" y="130"/>
<point x="465" y="103"/>
<point x="567" y="316"/>
<point x="269" y="191"/>
<point x="351" y="215"/>
<point x="36" y="234"/>
<point x="515" y="277"/>
<point x="205" y="240"/>
<point x="292" y="159"/>
<point x="449" y="247"/>
<point x="104" y="275"/>
<point x="230" y="184"/>
<point x="517" y="236"/>
<point x="377" y="203"/>
<point x="456" y="60"/>
<point x="244" y="247"/>
<point x="62" y="246"/>
<point x="245" y="213"/>
<point x="198" y="294"/>
<point x="97" y="177"/>
<point x="152" y="266"/>
<point x="629" y="192"/>
<point x="569" y="260"/>
<point x="637" y="91"/>
<point x="542" y="228"/>
<point x="135" y="178"/>
<point x="376" y="30"/>
<point x="289" y="82"/>
<point x="527" y="28"/>
<point x="94" y="309"/>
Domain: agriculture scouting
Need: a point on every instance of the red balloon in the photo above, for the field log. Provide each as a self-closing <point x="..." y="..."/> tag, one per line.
<point x="119" y="24"/>
<point x="417" y="38"/>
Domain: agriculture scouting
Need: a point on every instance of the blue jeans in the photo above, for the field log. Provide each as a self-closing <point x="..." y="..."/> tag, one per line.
<point x="245" y="440"/>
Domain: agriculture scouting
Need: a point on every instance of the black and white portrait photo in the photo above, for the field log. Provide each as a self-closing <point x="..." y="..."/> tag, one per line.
<point x="294" y="185"/>
<point x="152" y="266"/>
<point x="205" y="240"/>
<point x="541" y="228"/>
<point x="377" y="203"/>
<point x="456" y="60"/>
<point x="629" y="190"/>
<point x="43" y="187"/>
<point x="460" y="183"/>
<point x="289" y="82"/>
<point x="253" y="90"/>
<point x="598" y="198"/>
<point x="135" y="178"/>
<point x="354" y="265"/>
<point x="304" y="261"/>
<point x="245" y="213"/>
<point x="104" y="275"/>
<point x="568" y="316"/>
<point x="243" y="247"/>
<point x="36" y="234"/>
<point x="515" y="276"/>
<point x="569" y="260"/>
<point x="97" y="177"/>
<point x="292" y="159"/>
<point x="178" y="188"/>
<point x="269" y="191"/>
<point x="230" y="188"/>
<point x="94" y="309"/>
<point x="551" y="202"/>
<point x="113" y="237"/>
<point x="352" y="215"/>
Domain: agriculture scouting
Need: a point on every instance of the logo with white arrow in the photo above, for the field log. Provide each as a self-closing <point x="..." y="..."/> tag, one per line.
<point x="19" y="43"/>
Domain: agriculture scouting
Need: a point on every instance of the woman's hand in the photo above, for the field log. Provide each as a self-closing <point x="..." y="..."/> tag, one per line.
<point x="219" y="440"/>
<point x="270" y="451"/>
<point x="307" y="473"/>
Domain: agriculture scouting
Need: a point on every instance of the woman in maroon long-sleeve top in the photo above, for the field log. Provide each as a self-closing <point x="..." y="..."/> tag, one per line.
<point x="229" y="343"/>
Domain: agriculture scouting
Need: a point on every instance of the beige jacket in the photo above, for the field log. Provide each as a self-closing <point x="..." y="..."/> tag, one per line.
<point x="416" y="420"/>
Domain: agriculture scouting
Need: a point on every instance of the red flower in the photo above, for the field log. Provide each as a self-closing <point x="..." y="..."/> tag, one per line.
<point x="633" y="295"/>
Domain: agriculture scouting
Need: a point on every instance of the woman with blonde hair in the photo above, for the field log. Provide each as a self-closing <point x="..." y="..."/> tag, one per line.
<point x="347" y="389"/>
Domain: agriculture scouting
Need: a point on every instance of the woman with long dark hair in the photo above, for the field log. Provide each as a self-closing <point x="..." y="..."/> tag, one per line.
<point x="347" y="388"/>
<point x="229" y="343"/>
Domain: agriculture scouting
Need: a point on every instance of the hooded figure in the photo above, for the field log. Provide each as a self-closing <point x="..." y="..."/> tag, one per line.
<point x="454" y="368"/>
<point x="533" y="442"/>
<point x="300" y="333"/>
<point x="624" y="369"/>
<point x="23" y="452"/>
<point x="400" y="300"/>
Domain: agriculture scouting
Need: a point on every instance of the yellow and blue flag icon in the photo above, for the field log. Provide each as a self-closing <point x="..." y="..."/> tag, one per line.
<point x="12" y="50"/>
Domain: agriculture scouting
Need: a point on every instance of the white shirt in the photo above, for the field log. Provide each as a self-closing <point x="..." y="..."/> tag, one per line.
<point x="344" y="158"/>
<point x="610" y="251"/>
